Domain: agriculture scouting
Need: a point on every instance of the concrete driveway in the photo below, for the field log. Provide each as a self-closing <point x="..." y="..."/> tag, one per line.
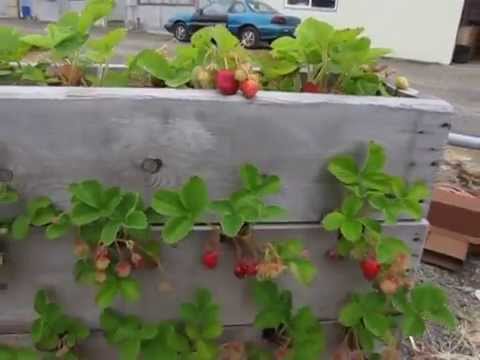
<point x="458" y="84"/>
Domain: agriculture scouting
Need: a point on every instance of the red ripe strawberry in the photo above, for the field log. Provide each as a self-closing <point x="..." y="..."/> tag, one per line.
<point x="210" y="259"/>
<point x="310" y="87"/>
<point x="226" y="83"/>
<point x="240" y="270"/>
<point x="370" y="268"/>
<point x="123" y="269"/>
<point x="251" y="268"/>
<point x="137" y="260"/>
<point x="249" y="88"/>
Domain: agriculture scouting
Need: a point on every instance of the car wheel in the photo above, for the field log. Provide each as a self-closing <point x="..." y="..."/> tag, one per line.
<point x="249" y="37"/>
<point x="180" y="31"/>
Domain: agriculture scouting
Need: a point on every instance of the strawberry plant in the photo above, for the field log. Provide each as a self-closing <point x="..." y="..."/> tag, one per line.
<point x="191" y="338"/>
<point x="17" y="353"/>
<point x="373" y="318"/>
<point x="114" y="239"/>
<point x="55" y="332"/>
<point x="299" y="332"/>
<point x="384" y="260"/>
<point x="333" y="61"/>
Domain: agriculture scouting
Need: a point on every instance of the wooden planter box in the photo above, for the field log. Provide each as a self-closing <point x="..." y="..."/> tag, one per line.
<point x="145" y="139"/>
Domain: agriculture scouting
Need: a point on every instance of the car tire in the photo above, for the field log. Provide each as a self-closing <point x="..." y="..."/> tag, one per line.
<point x="180" y="31"/>
<point x="249" y="37"/>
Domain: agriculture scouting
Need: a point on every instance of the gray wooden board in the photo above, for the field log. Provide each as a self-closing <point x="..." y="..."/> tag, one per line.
<point x="39" y="263"/>
<point x="96" y="346"/>
<point x="52" y="136"/>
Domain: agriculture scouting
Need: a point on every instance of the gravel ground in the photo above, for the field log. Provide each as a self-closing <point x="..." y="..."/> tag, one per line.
<point x="460" y="167"/>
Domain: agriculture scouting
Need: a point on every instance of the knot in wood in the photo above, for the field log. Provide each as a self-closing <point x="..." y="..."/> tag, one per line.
<point x="151" y="165"/>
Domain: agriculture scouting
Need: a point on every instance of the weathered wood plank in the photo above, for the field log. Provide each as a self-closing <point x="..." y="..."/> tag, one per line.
<point x="97" y="348"/>
<point x="53" y="136"/>
<point x="39" y="263"/>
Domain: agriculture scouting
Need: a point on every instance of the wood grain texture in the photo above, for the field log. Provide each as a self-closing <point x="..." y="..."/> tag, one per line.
<point x="97" y="348"/>
<point x="53" y="136"/>
<point x="39" y="263"/>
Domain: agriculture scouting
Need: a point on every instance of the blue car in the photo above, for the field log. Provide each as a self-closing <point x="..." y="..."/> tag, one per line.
<point x="252" y="21"/>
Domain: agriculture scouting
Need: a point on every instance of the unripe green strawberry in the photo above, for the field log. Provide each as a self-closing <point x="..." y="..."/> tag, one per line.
<point x="241" y="75"/>
<point x="401" y="82"/>
<point x="100" y="276"/>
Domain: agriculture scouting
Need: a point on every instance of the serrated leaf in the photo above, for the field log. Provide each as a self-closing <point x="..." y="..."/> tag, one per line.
<point x="37" y="204"/>
<point x="83" y="214"/>
<point x="43" y="216"/>
<point x="20" y="227"/>
<point x="194" y="196"/>
<point x="272" y="212"/>
<point x="130" y="289"/>
<point x="376" y="158"/>
<point x="351" y="230"/>
<point x="344" y="168"/>
<point x="136" y="220"/>
<point x="250" y="176"/>
<point x="303" y="270"/>
<point x="376" y="323"/>
<point x="418" y="191"/>
<point x="109" y="232"/>
<point x="351" y="206"/>
<point x="106" y="296"/>
<point x="41" y="301"/>
<point x="427" y="297"/>
<point x="168" y="203"/>
<point x="222" y="207"/>
<point x="231" y="224"/>
<point x="58" y="229"/>
<point x="351" y="314"/>
<point x="270" y="185"/>
<point x="413" y="325"/>
<point x="130" y="349"/>
<point x="443" y="316"/>
<point x="88" y="192"/>
<point x="177" y="228"/>
<point x="366" y="338"/>
<point x="389" y="248"/>
<point x="109" y="320"/>
<point x="333" y="221"/>
<point x="128" y="203"/>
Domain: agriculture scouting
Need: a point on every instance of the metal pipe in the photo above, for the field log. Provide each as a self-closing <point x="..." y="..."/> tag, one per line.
<point x="465" y="141"/>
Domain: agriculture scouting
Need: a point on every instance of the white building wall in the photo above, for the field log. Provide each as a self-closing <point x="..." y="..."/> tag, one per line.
<point x="422" y="30"/>
<point x="8" y="8"/>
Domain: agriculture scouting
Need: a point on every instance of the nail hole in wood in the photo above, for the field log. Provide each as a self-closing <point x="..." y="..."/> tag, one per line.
<point x="433" y="149"/>
<point x="6" y="175"/>
<point x="420" y="132"/>
<point x="446" y="125"/>
<point x="412" y="163"/>
<point x="151" y="165"/>
<point x="434" y="163"/>
<point x="416" y="239"/>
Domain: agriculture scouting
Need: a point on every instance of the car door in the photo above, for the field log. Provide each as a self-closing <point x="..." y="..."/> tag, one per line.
<point x="210" y="15"/>
<point x="236" y="16"/>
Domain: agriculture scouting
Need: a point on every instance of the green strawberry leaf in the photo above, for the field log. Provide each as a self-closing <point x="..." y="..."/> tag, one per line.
<point x="136" y="220"/>
<point x="177" y="228"/>
<point x="168" y="203"/>
<point x="20" y="227"/>
<point x="130" y="289"/>
<point x="344" y="168"/>
<point x="231" y="224"/>
<point x="388" y="248"/>
<point x="110" y="232"/>
<point x="333" y="221"/>
<point x="194" y="196"/>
